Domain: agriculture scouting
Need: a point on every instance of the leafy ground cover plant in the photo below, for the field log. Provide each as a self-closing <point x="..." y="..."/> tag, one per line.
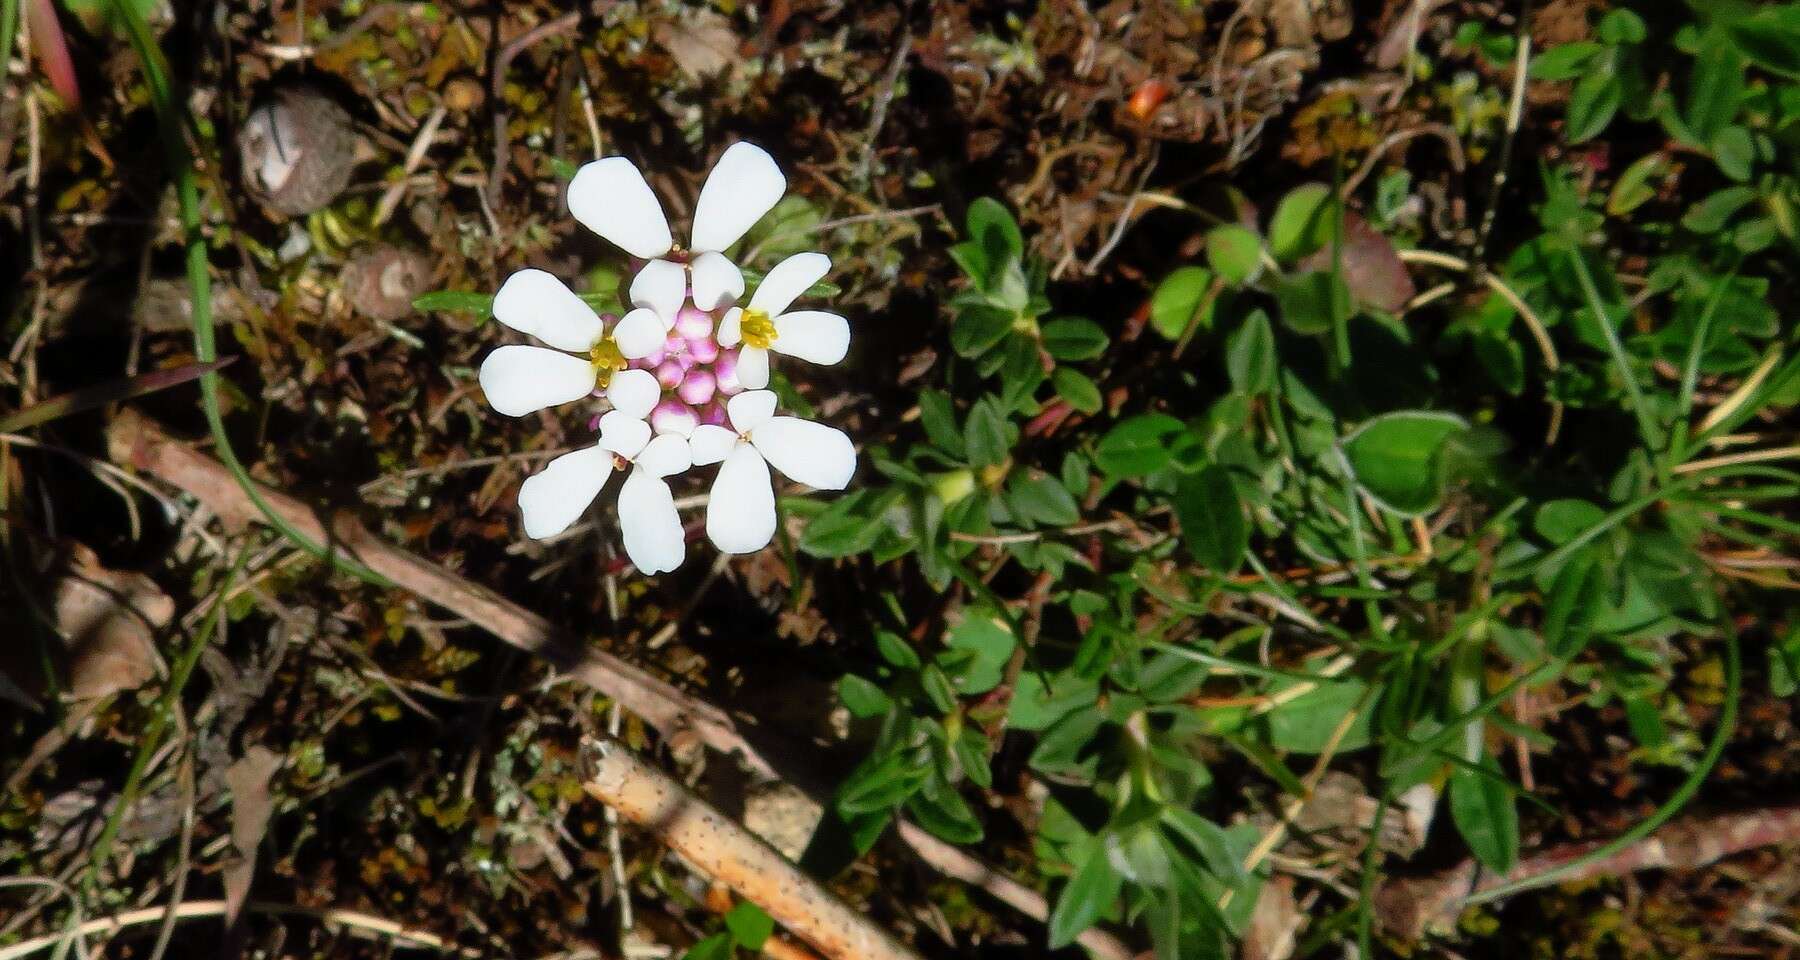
<point x="1316" y="479"/>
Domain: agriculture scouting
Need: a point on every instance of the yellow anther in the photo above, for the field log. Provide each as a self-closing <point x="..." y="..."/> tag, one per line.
<point x="607" y="360"/>
<point x="758" y="330"/>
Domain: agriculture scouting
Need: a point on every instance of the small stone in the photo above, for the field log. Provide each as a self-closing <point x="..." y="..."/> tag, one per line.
<point x="297" y="150"/>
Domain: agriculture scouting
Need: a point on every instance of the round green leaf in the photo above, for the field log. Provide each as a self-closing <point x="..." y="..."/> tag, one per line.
<point x="1235" y="252"/>
<point x="1396" y="457"/>
<point x="1303" y="222"/>
<point x="1181" y="299"/>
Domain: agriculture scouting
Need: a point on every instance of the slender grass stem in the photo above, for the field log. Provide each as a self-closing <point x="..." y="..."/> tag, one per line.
<point x="1639" y="406"/>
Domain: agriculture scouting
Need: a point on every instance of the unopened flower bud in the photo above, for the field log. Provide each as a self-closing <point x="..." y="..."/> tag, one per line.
<point x="697" y="388"/>
<point x="673" y="416"/>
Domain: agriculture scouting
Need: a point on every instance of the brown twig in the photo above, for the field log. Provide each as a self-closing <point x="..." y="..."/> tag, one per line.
<point x="1410" y="906"/>
<point x="136" y="440"/>
<point x="723" y="850"/>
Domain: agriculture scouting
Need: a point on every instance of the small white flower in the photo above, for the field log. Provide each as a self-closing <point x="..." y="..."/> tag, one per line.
<point x="520" y="379"/>
<point x="611" y="198"/>
<point x="765" y="324"/>
<point x="740" y="513"/>
<point x="555" y="497"/>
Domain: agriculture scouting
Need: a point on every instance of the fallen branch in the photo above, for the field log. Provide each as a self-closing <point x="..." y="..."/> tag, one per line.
<point x="140" y="442"/>
<point x="718" y="847"/>
<point x="1410" y="906"/>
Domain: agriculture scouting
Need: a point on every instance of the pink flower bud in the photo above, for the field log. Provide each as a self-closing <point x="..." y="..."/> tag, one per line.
<point x="674" y="344"/>
<point x="673" y="416"/>
<point x="725" y="372"/>
<point x="713" y="414"/>
<point x="697" y="388"/>
<point x="703" y="349"/>
<point x="670" y="372"/>
<point x="693" y="322"/>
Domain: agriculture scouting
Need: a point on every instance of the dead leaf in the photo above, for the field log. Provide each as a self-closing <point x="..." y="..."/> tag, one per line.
<point x="1274" y="922"/>
<point x="1371" y="268"/>
<point x="251" y="803"/>
<point x="107" y="622"/>
<point x="701" y="41"/>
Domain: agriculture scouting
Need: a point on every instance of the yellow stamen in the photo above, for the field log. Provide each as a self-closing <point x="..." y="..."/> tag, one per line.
<point x="607" y="360"/>
<point x="758" y="330"/>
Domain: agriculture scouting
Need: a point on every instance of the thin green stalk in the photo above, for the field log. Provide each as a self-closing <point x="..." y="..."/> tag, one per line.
<point x="1646" y="423"/>
<point x="1690" y="786"/>
<point x="172" y="129"/>
<point x="151" y="740"/>
<point x="9" y="29"/>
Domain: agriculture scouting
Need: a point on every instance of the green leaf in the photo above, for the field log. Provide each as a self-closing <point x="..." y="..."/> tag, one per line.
<point x="977" y="327"/>
<point x="1313" y="303"/>
<point x="985" y="434"/>
<point x="1574" y="601"/>
<point x="1307" y="723"/>
<point x="468" y="301"/>
<point x="1560" y="521"/>
<point x="1036" y="708"/>
<point x="1235" y="253"/>
<point x="1734" y="151"/>
<point x="1636" y="186"/>
<point x="1212" y="519"/>
<point x="1304" y="221"/>
<point x="1137" y="446"/>
<point x="1043" y="501"/>
<point x="1074" y="338"/>
<point x="1396" y="457"/>
<point x="863" y="698"/>
<point x="995" y="229"/>
<point x="1088" y="894"/>
<point x="844" y="528"/>
<point x="879" y="785"/>
<point x="1712" y="213"/>
<point x="1771" y="39"/>
<point x="988" y="645"/>
<point x="1250" y="355"/>
<point x="715" y="947"/>
<point x="937" y="413"/>
<point x="1564" y="62"/>
<point x="1064" y="747"/>
<point x="1622" y="27"/>
<point x="1485" y="815"/>
<point x="895" y="650"/>
<point x="972" y="748"/>
<point x="1077" y="389"/>
<point x="941" y="810"/>
<point x="1592" y="105"/>
<point x="1180" y="299"/>
<point x="1714" y="89"/>
<point x="749" y="925"/>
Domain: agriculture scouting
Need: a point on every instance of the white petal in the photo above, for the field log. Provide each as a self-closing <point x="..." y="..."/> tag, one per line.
<point x="731" y="328"/>
<point x="717" y="281"/>
<point x="611" y="198"/>
<point x="640" y="333"/>
<point x="743" y="186"/>
<point x="519" y="379"/>
<point x="649" y="524"/>
<point x="812" y="335"/>
<point x="711" y="444"/>
<point x="661" y="286"/>
<point x="665" y="456"/>
<point x="753" y="368"/>
<point x="623" y="434"/>
<point x="740" y="514"/>
<point x="750" y="409"/>
<point x="788" y="280"/>
<point x="812" y="453"/>
<point x="536" y="303"/>
<point x="556" y="496"/>
<point x="635" y="392"/>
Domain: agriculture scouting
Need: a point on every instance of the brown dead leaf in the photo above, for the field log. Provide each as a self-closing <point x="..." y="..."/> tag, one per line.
<point x="251" y="803"/>
<point x="107" y="623"/>
<point x="1274" y="923"/>
<point x="1371" y="268"/>
<point x="701" y="41"/>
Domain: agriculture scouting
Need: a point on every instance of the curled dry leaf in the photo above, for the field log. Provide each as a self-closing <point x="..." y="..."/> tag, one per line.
<point x="297" y="150"/>
<point x="1371" y="268"/>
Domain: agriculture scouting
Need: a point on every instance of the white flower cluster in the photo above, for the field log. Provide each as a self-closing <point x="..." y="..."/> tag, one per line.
<point x="684" y="372"/>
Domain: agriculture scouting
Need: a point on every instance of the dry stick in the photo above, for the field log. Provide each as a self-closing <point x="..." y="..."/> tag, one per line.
<point x="1409" y="906"/>
<point x="726" y="852"/>
<point x="401" y="936"/>
<point x="134" y="439"/>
